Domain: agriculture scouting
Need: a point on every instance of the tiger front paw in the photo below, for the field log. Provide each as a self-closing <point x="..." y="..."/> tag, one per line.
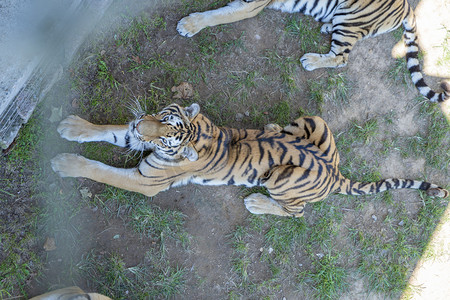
<point x="70" y="165"/>
<point x="311" y="61"/>
<point x="76" y="129"/>
<point x="273" y="127"/>
<point x="190" y="25"/>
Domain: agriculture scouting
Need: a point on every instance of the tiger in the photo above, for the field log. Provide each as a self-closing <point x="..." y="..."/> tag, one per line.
<point x="70" y="293"/>
<point x="346" y="21"/>
<point x="296" y="164"/>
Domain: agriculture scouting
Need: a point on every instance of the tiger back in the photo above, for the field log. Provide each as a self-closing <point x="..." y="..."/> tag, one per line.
<point x="346" y="21"/>
<point x="297" y="164"/>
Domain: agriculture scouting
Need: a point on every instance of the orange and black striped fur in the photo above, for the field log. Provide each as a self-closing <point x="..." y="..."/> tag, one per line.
<point x="297" y="164"/>
<point x="348" y="21"/>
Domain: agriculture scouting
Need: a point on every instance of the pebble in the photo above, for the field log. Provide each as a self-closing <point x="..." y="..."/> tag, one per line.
<point x="401" y="223"/>
<point x="239" y="117"/>
<point x="270" y="250"/>
<point x="374" y="218"/>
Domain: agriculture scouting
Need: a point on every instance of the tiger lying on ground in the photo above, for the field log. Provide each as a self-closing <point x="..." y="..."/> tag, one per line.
<point x="296" y="164"/>
<point x="347" y="21"/>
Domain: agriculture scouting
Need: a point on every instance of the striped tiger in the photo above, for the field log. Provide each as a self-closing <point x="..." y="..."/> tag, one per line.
<point x="296" y="164"/>
<point x="347" y="21"/>
<point x="70" y="293"/>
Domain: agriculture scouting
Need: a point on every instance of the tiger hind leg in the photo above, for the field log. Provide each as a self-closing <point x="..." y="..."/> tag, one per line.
<point x="316" y="130"/>
<point x="260" y="204"/>
<point x="232" y="12"/>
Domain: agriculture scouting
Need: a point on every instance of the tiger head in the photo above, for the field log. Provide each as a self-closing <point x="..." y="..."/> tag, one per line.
<point x="168" y="133"/>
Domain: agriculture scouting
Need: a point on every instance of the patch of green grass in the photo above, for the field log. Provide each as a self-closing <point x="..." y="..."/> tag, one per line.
<point x="434" y="145"/>
<point x="281" y="113"/>
<point x="399" y="72"/>
<point x="335" y="88"/>
<point x="189" y="6"/>
<point x="285" y="66"/>
<point x="110" y="276"/>
<point x="115" y="202"/>
<point x="241" y="259"/>
<point x="24" y="149"/>
<point x="328" y="277"/>
<point x="105" y="74"/>
<point x="140" y="29"/>
<point x="18" y="265"/>
<point x="338" y="87"/>
<point x="357" y="134"/>
<point x="398" y="33"/>
<point x="384" y="262"/>
<point x="361" y="170"/>
<point x="157" y="223"/>
<point x="19" y="220"/>
<point x="283" y="235"/>
<point x="364" y="132"/>
<point x="243" y="83"/>
<point x="308" y="33"/>
<point x="217" y="109"/>
<point x="317" y="93"/>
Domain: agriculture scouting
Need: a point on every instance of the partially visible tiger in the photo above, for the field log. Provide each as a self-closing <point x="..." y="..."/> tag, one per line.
<point x="70" y="293"/>
<point x="348" y="21"/>
<point x="296" y="164"/>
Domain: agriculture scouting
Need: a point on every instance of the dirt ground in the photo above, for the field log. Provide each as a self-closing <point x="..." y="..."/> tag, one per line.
<point x="212" y="214"/>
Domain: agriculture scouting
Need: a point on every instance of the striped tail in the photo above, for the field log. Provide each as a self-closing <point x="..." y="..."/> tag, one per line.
<point x="349" y="187"/>
<point x="412" y="60"/>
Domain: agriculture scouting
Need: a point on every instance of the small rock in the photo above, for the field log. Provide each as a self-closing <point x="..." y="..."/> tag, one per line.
<point x="257" y="37"/>
<point x="270" y="250"/>
<point x="300" y="265"/>
<point x="50" y="244"/>
<point x="239" y="117"/>
<point x="374" y="218"/>
<point x="401" y="223"/>
<point x="261" y="249"/>
<point x="320" y="255"/>
<point x="102" y="52"/>
<point x="247" y="113"/>
<point x="117" y="236"/>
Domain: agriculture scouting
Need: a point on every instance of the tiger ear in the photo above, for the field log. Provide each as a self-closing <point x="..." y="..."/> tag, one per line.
<point x="192" y="111"/>
<point x="190" y="153"/>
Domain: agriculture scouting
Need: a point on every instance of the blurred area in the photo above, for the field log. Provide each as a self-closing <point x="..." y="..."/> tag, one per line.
<point x="38" y="39"/>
